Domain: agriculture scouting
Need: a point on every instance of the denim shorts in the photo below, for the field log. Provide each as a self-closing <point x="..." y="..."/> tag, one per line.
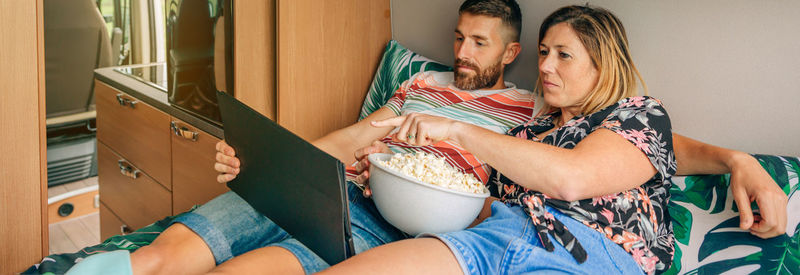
<point x="507" y="243"/>
<point x="231" y="227"/>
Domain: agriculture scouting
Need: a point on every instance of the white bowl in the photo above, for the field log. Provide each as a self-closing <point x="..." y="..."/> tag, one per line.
<point x="417" y="207"/>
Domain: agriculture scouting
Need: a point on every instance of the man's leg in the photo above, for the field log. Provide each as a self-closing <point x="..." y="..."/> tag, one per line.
<point x="178" y="250"/>
<point x="291" y="257"/>
<point x="207" y="236"/>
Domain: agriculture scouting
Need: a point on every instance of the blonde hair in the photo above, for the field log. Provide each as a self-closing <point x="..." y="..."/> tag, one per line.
<point x="603" y="36"/>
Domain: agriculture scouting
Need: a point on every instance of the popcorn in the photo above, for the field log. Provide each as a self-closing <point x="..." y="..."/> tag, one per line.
<point x="431" y="169"/>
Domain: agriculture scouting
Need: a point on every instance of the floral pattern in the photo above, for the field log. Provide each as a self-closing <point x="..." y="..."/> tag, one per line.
<point x="636" y="219"/>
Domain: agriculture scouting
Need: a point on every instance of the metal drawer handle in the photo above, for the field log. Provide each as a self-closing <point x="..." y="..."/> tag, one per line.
<point x="124" y="229"/>
<point x="128" y="170"/>
<point x="183" y="131"/>
<point x="123" y="101"/>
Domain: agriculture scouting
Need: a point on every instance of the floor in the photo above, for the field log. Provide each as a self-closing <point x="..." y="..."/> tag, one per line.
<point x="71" y="235"/>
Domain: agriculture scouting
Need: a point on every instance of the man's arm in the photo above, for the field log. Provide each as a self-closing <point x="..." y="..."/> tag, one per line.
<point x="343" y="142"/>
<point x="749" y="183"/>
<point x="340" y="143"/>
<point x="695" y="157"/>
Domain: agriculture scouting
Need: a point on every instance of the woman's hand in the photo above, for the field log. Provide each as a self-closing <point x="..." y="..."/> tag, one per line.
<point x="420" y="129"/>
<point x="751" y="183"/>
<point x="362" y="164"/>
<point x="227" y="164"/>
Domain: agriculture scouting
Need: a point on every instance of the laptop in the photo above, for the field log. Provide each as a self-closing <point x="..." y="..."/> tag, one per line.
<point x="296" y="185"/>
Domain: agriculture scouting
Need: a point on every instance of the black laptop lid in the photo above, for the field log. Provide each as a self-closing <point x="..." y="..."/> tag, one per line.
<point x="298" y="186"/>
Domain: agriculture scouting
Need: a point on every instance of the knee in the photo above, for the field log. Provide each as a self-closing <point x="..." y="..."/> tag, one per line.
<point x="149" y="259"/>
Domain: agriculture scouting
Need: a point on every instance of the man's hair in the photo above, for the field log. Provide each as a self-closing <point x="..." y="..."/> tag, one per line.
<point x="507" y="10"/>
<point x="603" y="36"/>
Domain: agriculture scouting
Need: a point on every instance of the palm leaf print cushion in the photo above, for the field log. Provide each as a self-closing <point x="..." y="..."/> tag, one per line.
<point x="705" y="220"/>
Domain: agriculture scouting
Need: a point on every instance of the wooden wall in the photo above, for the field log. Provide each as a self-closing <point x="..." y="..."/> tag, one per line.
<point x="254" y="55"/>
<point x="308" y="63"/>
<point x="327" y="54"/>
<point x="23" y="179"/>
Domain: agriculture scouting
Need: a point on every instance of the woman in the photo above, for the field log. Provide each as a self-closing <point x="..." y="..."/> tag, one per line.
<point x="584" y="184"/>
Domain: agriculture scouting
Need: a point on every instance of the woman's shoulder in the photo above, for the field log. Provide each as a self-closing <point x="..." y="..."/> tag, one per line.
<point x="648" y="104"/>
<point x="638" y="102"/>
<point x="635" y="112"/>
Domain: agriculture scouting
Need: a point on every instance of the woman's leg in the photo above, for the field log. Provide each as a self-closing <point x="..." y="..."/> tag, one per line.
<point x="413" y="256"/>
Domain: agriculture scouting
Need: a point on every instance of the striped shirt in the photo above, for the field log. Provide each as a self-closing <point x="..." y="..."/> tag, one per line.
<point x="433" y="93"/>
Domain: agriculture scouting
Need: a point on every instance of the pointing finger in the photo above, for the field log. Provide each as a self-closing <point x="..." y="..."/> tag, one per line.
<point x="390" y="122"/>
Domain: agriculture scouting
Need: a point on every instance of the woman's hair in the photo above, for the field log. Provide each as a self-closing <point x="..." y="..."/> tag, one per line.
<point x="603" y="36"/>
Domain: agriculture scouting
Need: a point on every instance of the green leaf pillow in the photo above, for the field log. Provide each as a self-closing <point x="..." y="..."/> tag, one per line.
<point x="397" y="65"/>
<point x="705" y="221"/>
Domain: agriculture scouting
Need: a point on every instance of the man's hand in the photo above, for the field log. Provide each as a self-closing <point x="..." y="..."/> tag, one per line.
<point x="362" y="166"/>
<point x="750" y="182"/>
<point x="227" y="164"/>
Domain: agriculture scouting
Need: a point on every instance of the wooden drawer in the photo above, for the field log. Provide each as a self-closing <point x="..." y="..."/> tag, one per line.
<point x="194" y="180"/>
<point x="135" y="130"/>
<point x="139" y="201"/>
<point x="110" y="224"/>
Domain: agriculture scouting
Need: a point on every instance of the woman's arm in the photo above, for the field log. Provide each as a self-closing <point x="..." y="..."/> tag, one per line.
<point x="602" y="163"/>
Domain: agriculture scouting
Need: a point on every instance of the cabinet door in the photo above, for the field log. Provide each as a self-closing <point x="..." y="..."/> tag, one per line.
<point x="135" y="130"/>
<point x="110" y="224"/>
<point x="135" y="197"/>
<point x="194" y="180"/>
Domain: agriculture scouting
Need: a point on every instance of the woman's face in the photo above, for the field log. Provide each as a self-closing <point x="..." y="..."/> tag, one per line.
<point x="566" y="69"/>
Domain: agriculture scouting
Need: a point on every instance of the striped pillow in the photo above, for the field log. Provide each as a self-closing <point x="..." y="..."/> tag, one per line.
<point x="397" y="65"/>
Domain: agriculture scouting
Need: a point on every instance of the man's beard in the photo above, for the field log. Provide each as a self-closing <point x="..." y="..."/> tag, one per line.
<point x="481" y="80"/>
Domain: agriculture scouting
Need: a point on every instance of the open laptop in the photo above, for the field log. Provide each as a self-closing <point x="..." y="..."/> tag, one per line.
<point x="289" y="180"/>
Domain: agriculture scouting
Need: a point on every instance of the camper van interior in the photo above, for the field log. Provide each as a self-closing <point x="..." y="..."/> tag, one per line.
<point x="110" y="119"/>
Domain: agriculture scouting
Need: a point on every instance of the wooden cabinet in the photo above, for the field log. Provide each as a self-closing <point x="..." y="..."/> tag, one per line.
<point x="194" y="180"/>
<point x="150" y="164"/>
<point x="110" y="224"/>
<point x="139" y="130"/>
<point x="126" y="189"/>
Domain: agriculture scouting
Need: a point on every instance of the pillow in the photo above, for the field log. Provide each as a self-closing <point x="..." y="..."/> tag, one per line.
<point x="705" y="221"/>
<point x="397" y="65"/>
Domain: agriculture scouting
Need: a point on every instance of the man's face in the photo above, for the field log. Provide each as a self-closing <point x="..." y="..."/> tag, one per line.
<point x="478" y="48"/>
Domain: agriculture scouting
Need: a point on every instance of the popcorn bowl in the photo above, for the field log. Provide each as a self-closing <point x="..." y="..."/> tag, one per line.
<point x="417" y="207"/>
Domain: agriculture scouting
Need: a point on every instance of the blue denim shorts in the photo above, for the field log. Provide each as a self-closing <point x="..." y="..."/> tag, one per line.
<point x="231" y="227"/>
<point x="507" y="243"/>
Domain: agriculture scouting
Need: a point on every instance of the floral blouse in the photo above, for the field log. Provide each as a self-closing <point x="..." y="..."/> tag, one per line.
<point x="636" y="219"/>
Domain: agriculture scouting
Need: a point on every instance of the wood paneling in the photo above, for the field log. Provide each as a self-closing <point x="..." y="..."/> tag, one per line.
<point x="23" y="186"/>
<point x="139" y="201"/>
<point x="194" y="180"/>
<point x="327" y="53"/>
<point x="140" y="133"/>
<point x="254" y="55"/>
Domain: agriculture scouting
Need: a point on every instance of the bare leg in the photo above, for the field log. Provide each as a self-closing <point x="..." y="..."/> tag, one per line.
<point x="178" y="250"/>
<point x="265" y="260"/>
<point x="413" y="256"/>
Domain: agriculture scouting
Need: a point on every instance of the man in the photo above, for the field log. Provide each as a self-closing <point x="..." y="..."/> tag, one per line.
<point x="229" y="232"/>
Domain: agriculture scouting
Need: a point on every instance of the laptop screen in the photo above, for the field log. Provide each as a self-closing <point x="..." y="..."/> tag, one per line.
<point x="296" y="185"/>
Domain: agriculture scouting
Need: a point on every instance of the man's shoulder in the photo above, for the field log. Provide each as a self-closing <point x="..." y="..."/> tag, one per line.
<point x="432" y="78"/>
